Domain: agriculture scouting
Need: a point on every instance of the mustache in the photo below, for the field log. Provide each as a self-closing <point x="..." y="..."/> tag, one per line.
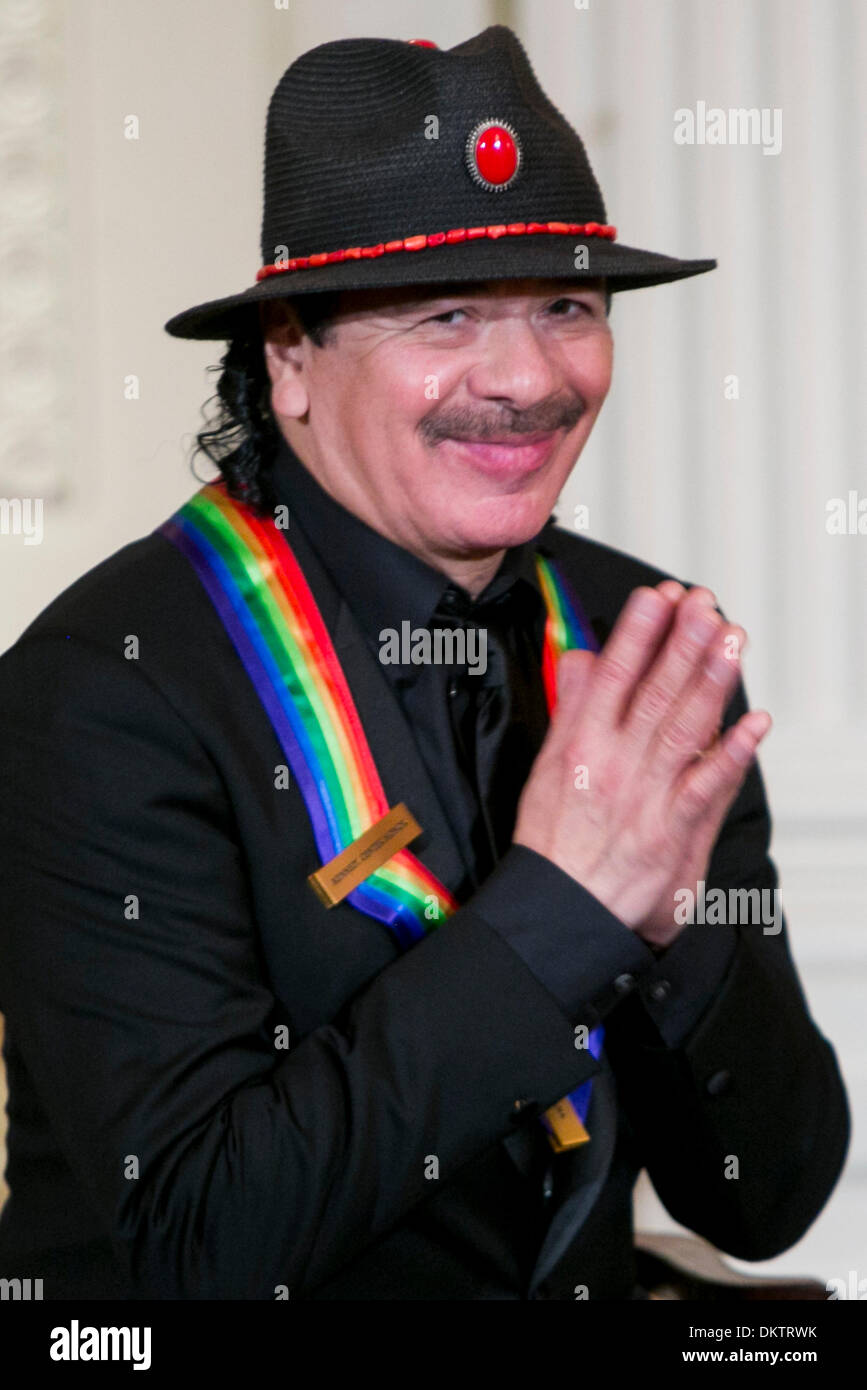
<point x="464" y="423"/>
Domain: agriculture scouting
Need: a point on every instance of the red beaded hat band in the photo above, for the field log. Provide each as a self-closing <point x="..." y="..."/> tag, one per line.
<point x="432" y="239"/>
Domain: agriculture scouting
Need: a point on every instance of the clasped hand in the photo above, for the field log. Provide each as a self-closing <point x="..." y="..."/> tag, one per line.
<point x="632" y="784"/>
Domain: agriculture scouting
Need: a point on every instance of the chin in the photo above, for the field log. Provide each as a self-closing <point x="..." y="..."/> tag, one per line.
<point x="502" y="522"/>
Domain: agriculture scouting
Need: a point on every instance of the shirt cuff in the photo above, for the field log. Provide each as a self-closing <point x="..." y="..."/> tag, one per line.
<point x="584" y="955"/>
<point x="686" y="978"/>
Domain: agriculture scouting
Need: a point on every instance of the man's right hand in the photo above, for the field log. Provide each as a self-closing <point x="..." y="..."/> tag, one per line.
<point x="637" y="716"/>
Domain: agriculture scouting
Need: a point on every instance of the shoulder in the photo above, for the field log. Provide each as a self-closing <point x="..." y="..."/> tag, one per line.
<point x="148" y="581"/>
<point x="602" y="576"/>
<point x="141" y="617"/>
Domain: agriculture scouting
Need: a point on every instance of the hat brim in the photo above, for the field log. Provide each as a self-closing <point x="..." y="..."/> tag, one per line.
<point x="544" y="256"/>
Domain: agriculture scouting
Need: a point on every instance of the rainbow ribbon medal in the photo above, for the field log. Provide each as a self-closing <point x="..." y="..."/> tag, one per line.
<point x="256" y="585"/>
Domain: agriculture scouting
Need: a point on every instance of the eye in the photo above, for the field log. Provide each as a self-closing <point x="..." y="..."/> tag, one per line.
<point x="446" y="317"/>
<point x="565" y="305"/>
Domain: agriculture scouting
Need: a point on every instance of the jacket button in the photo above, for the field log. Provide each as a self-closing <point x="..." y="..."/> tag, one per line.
<point x="660" y="991"/>
<point x="624" y="983"/>
<point x="521" y="1105"/>
<point x="719" y="1083"/>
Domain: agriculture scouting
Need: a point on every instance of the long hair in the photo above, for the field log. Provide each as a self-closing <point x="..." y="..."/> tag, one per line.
<point x="241" y="436"/>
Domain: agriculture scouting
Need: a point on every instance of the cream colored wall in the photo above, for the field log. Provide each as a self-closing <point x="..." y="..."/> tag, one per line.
<point x="103" y="238"/>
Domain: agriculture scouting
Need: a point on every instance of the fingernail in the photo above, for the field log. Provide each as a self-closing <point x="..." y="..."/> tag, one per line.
<point x="742" y="753"/>
<point x="645" y="605"/>
<point x="704" y="596"/>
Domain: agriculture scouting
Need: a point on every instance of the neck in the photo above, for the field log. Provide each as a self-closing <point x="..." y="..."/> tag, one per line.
<point x="471" y="572"/>
<point x="474" y="573"/>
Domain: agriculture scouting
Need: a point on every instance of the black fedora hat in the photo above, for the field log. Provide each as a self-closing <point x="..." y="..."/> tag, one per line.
<point x="393" y="163"/>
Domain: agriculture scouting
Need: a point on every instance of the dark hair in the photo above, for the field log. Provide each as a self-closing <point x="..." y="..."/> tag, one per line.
<point x="242" y="437"/>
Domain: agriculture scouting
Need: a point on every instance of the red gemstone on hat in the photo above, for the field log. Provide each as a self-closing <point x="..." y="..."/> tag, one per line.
<point x="493" y="154"/>
<point x="496" y="155"/>
<point x="423" y="43"/>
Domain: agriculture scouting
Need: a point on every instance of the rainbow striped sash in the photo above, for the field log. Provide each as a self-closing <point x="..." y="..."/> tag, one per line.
<point x="263" y="600"/>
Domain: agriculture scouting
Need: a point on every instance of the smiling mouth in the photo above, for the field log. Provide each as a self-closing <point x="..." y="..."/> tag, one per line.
<point x="508" y="454"/>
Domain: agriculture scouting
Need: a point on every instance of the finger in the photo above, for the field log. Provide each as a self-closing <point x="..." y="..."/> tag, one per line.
<point x="694" y="629"/>
<point x="722" y="666"/>
<point x="708" y="788"/>
<point x="702" y="595"/>
<point x="695" y="716"/>
<point x="694" y="725"/>
<point x="637" y="634"/>
<point x="698" y="592"/>
<point x="671" y="589"/>
<point x="574" y="669"/>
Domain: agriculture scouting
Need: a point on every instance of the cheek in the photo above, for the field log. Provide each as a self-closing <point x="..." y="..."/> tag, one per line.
<point x="595" y="371"/>
<point x="392" y="389"/>
<point x="418" y="381"/>
<point x="351" y="399"/>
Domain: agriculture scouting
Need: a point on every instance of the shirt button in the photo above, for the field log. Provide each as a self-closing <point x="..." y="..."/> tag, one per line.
<point x="719" y="1083"/>
<point x="624" y="983"/>
<point x="453" y="689"/>
<point x="660" y="990"/>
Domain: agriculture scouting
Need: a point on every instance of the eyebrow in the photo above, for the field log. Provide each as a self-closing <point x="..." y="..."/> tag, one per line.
<point x="475" y="290"/>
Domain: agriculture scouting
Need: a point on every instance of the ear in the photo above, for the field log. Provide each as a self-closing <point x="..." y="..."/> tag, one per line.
<point x="282" y="344"/>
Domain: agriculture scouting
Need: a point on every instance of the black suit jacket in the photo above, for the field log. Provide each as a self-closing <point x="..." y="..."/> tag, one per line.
<point x="158" y="931"/>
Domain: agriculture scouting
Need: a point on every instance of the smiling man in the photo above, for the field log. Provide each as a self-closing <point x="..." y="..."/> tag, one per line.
<point x="367" y="979"/>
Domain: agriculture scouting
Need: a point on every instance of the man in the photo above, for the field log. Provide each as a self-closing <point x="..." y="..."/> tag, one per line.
<point x="332" y="971"/>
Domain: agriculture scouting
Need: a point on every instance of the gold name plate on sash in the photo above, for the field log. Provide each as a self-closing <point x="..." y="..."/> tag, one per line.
<point x="369" y="852"/>
<point x="568" y="1129"/>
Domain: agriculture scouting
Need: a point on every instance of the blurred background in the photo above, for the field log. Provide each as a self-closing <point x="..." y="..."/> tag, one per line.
<point x="737" y="413"/>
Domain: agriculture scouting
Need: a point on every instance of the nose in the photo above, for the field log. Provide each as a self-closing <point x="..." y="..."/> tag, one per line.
<point x="515" y="368"/>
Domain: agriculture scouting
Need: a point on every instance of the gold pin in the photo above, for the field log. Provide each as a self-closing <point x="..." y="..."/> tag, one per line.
<point x="369" y="852"/>
<point x="568" y="1129"/>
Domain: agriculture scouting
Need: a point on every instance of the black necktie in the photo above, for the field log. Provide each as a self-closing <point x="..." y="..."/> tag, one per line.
<point x="498" y="718"/>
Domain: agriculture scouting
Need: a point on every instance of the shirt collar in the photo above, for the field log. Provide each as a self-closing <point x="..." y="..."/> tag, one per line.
<point x="382" y="582"/>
